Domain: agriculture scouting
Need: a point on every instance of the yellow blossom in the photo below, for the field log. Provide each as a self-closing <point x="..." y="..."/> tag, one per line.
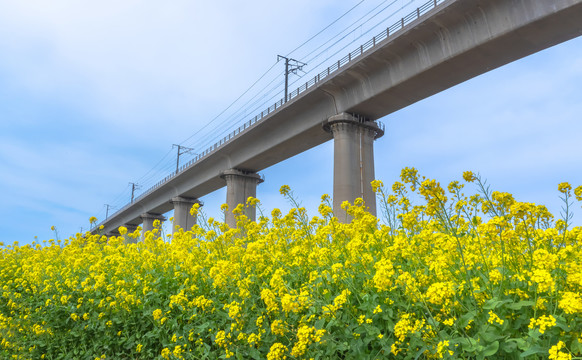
<point x="542" y="323"/>
<point x="557" y="352"/>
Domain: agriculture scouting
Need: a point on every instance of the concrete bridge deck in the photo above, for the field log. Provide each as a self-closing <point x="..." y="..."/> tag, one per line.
<point x="443" y="44"/>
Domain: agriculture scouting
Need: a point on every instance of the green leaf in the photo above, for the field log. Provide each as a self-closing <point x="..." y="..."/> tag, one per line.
<point x="509" y="346"/>
<point x="432" y="322"/>
<point x="420" y="352"/>
<point x="490" y="335"/>
<point x="518" y="305"/>
<point x="522" y="344"/>
<point x="536" y="349"/>
<point x="468" y="344"/>
<point x="465" y="319"/>
<point x="495" y="303"/>
<point x="491" y="349"/>
<point x="576" y="347"/>
<point x="562" y="323"/>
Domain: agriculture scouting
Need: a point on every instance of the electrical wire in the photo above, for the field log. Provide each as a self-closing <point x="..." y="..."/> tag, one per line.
<point x="211" y="141"/>
<point x="292" y="51"/>
<point x="325" y="28"/>
<point x="194" y="145"/>
<point x="245" y="110"/>
<point x="252" y="104"/>
<point x="351" y="42"/>
<point x="349" y="33"/>
<point x="162" y="159"/>
<point x="231" y="104"/>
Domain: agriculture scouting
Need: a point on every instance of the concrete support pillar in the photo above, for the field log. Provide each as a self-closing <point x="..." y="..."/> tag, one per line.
<point x="182" y="217"/>
<point x="130" y="228"/>
<point x="353" y="160"/>
<point x="148" y="222"/>
<point x="240" y="185"/>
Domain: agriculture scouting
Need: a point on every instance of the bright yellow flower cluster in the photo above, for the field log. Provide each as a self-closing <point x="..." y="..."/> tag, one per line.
<point x="277" y="352"/>
<point x="445" y="275"/>
<point x="557" y="352"/>
<point x="305" y="336"/>
<point x="543" y="323"/>
<point x="494" y="319"/>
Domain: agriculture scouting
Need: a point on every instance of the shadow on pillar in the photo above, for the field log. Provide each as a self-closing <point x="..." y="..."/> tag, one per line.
<point x="148" y="222"/>
<point x="240" y="185"/>
<point x="182" y="217"/>
<point x="353" y="161"/>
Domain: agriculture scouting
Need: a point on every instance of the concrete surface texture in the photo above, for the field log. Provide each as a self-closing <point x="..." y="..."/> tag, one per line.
<point x="353" y="161"/>
<point x="182" y="217"/>
<point x="148" y="221"/>
<point x="240" y="185"/>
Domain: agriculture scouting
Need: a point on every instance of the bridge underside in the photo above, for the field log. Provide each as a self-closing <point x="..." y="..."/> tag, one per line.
<point x="452" y="43"/>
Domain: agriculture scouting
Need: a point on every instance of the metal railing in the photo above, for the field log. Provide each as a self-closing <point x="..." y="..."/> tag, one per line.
<point x="356" y="54"/>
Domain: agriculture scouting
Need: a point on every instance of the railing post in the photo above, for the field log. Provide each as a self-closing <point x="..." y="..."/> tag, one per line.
<point x="417" y="13"/>
<point x="402" y="21"/>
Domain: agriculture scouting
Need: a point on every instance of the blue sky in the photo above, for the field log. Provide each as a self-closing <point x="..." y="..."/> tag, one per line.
<point x="93" y="95"/>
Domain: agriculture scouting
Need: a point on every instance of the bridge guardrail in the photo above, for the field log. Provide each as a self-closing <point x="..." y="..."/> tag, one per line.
<point x="370" y="44"/>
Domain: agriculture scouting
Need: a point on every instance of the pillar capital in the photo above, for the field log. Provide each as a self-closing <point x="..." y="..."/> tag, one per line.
<point x="152" y="216"/>
<point x="349" y="122"/>
<point x="185" y="200"/>
<point x="241" y="173"/>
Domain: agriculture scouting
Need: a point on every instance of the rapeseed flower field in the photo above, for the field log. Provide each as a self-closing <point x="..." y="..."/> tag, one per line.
<point x="444" y="275"/>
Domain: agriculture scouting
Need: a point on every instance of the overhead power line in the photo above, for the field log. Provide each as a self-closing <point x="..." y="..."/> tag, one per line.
<point x="156" y="165"/>
<point x="181" y="150"/>
<point x="231" y="104"/>
<point x="325" y="28"/>
<point x="259" y="99"/>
